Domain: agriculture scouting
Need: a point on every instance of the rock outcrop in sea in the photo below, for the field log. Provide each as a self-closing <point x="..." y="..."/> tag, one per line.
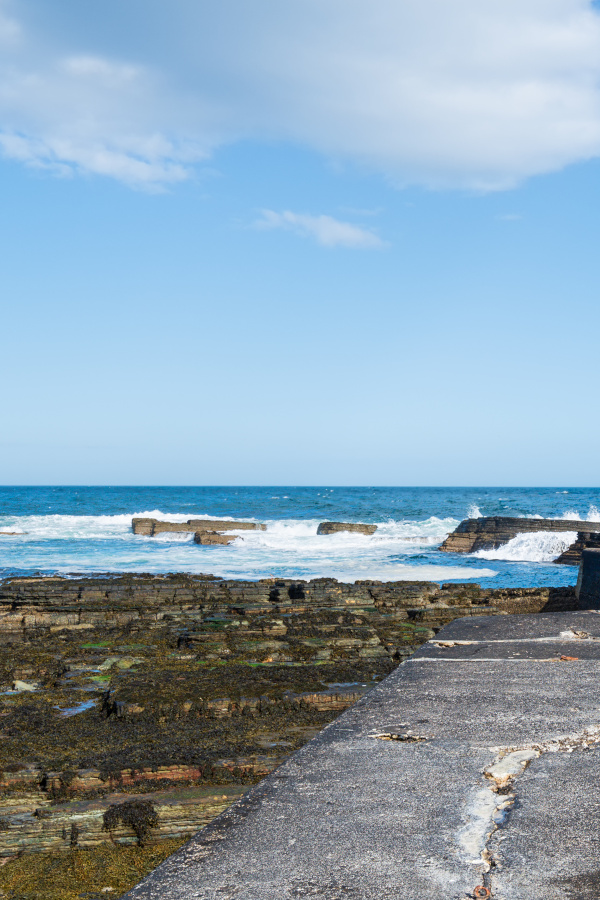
<point x="210" y="538"/>
<point x="336" y="527"/>
<point x="152" y="527"/>
<point x="491" y="532"/>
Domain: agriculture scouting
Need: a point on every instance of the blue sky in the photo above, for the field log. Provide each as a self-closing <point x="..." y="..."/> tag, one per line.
<point x="293" y="244"/>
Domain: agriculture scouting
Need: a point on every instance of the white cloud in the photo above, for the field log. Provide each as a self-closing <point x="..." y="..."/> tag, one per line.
<point x="466" y="93"/>
<point x="327" y="231"/>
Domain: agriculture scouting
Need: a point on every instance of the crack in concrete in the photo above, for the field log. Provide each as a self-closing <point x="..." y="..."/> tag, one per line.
<point x="491" y="803"/>
<point x="407" y="737"/>
<point x="488" y="659"/>
<point x="571" y="634"/>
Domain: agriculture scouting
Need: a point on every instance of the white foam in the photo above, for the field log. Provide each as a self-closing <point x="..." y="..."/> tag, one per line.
<point x="593" y="515"/>
<point x="538" y="546"/>
<point x="407" y="573"/>
<point x="57" y="527"/>
<point x="474" y="512"/>
<point x="288" y="548"/>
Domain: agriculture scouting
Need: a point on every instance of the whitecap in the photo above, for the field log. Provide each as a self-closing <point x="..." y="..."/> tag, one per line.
<point x="537" y="546"/>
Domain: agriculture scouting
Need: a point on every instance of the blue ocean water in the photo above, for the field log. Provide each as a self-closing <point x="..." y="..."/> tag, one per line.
<point x="70" y="530"/>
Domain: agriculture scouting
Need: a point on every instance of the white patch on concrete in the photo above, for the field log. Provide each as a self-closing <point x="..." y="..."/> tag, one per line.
<point x="484" y="813"/>
<point x="557" y="639"/>
<point x="487" y="808"/>
<point x="452" y="643"/>
<point x="510" y="765"/>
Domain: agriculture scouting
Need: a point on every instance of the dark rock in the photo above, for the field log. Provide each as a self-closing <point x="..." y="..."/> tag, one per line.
<point x="139" y="815"/>
<point x="335" y="527"/>
<point x="588" y="582"/>
<point x="208" y="538"/>
<point x="585" y="541"/>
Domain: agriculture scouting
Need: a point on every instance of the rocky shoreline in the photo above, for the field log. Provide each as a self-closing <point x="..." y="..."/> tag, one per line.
<point x="135" y="708"/>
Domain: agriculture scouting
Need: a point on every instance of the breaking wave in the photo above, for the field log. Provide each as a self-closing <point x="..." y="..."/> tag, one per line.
<point x="539" y="546"/>
<point x="474" y="512"/>
<point x="399" y="550"/>
<point x="593" y="515"/>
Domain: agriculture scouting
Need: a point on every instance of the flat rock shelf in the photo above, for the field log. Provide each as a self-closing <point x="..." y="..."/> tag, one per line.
<point x="471" y="771"/>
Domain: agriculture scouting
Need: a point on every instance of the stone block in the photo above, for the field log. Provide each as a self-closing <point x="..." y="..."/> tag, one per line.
<point x="588" y="581"/>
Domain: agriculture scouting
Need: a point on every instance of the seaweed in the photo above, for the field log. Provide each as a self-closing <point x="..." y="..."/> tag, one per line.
<point x="140" y="815"/>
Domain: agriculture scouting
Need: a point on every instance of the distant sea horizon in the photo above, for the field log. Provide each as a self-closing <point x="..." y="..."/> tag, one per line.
<point x="72" y="529"/>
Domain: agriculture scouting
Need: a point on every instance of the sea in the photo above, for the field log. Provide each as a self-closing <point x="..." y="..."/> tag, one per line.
<point x="87" y="530"/>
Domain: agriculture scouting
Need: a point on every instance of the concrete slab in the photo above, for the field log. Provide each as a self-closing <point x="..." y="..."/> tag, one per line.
<point x="442" y="778"/>
<point x="549" y="847"/>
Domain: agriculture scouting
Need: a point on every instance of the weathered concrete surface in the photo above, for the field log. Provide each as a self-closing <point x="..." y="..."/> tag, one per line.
<point x="491" y="532"/>
<point x="588" y="581"/>
<point x="493" y="782"/>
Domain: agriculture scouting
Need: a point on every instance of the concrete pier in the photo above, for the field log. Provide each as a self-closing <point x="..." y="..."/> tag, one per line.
<point x="471" y="771"/>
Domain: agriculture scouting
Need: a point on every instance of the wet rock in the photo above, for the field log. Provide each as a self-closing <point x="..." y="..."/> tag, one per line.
<point x="202" y="685"/>
<point x="585" y="541"/>
<point x="151" y="527"/>
<point x="208" y="538"/>
<point x="336" y="527"/>
<point x="491" y="532"/>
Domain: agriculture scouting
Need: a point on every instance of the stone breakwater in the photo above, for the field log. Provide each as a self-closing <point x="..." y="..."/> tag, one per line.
<point x="135" y="708"/>
<point x="491" y="532"/>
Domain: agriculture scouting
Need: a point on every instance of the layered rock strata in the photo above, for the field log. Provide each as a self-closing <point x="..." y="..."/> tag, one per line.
<point x="586" y="540"/>
<point x="181" y="691"/>
<point x="152" y="527"/>
<point x="335" y="527"/>
<point x="491" y="532"/>
<point x="208" y="538"/>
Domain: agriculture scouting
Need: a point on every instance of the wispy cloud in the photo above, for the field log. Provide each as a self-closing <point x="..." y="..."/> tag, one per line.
<point x="327" y="231"/>
<point x="425" y="91"/>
